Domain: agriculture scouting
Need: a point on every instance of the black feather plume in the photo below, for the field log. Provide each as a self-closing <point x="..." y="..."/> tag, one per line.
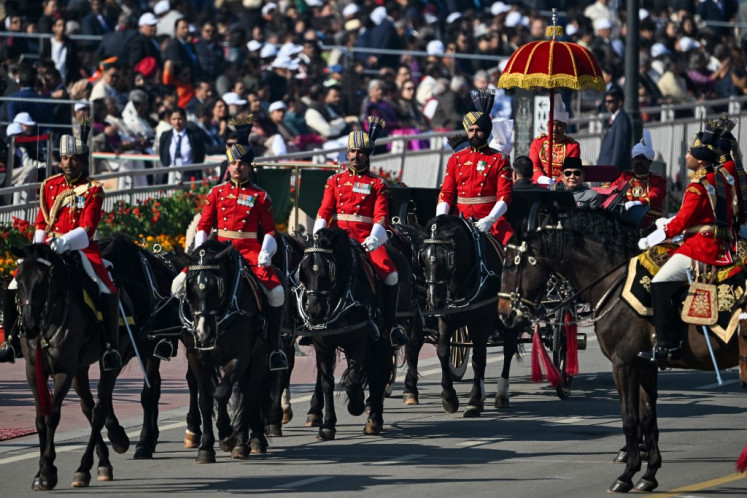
<point x="483" y="100"/>
<point x="85" y="129"/>
<point x="375" y="128"/>
<point x="243" y="126"/>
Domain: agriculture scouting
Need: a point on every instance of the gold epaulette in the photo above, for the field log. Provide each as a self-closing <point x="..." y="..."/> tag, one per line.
<point x="693" y="190"/>
<point x="700" y="173"/>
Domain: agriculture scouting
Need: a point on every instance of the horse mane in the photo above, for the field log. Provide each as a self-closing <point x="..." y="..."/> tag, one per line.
<point x="41" y="251"/>
<point x="577" y="226"/>
<point x="212" y="248"/>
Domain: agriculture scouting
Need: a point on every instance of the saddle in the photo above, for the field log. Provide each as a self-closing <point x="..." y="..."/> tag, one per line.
<point x="725" y="295"/>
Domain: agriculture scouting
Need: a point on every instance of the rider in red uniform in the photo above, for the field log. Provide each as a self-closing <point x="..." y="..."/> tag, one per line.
<point x="545" y="172"/>
<point x="478" y="179"/>
<point x="356" y="201"/>
<point x="645" y="188"/>
<point x="705" y="219"/>
<point x="70" y="211"/>
<point x="242" y="212"/>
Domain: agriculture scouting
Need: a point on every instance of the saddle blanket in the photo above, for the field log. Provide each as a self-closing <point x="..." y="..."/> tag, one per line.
<point x="730" y="285"/>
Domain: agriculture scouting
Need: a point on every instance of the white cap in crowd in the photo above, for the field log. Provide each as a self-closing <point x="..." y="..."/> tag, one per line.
<point x="453" y="17"/>
<point x="350" y="9"/>
<point x="277" y="105"/>
<point x="314" y="3"/>
<point x="499" y="8"/>
<point x="161" y="7"/>
<point x="686" y="44"/>
<point x="82" y="105"/>
<point x="269" y="7"/>
<point x="253" y="45"/>
<point x="232" y="98"/>
<point x="24" y="118"/>
<point x="378" y="15"/>
<point x="659" y="49"/>
<point x="435" y="47"/>
<point x="602" y="23"/>
<point x="147" y="19"/>
<point x="13" y="129"/>
<point x="269" y="50"/>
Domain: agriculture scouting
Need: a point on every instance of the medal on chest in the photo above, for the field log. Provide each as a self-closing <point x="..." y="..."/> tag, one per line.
<point x="637" y="191"/>
<point x="246" y="200"/>
<point x="80" y="201"/>
<point x="362" y="188"/>
<point x="481" y="165"/>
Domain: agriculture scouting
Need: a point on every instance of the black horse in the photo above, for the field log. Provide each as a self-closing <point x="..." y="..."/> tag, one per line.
<point x="337" y="301"/>
<point x="146" y="281"/>
<point x="462" y="272"/>
<point x="61" y="337"/>
<point x="223" y="315"/>
<point x="591" y="249"/>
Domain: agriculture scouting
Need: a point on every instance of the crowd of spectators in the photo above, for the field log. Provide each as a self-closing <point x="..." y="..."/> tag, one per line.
<point x="223" y="58"/>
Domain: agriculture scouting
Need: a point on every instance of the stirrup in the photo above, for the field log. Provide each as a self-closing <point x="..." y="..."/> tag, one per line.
<point x="111" y="360"/>
<point x="659" y="353"/>
<point x="398" y="337"/>
<point x="164" y="350"/>
<point x="278" y="360"/>
<point x="8" y="353"/>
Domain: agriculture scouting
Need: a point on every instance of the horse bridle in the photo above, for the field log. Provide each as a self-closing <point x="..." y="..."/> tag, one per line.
<point x="45" y="341"/>
<point x="521" y="305"/>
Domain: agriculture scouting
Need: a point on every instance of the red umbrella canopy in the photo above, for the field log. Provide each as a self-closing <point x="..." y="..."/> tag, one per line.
<point x="552" y="64"/>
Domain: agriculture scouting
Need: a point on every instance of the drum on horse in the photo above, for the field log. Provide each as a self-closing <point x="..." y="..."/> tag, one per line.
<point x="222" y="311"/>
<point x="592" y="248"/>
<point x="462" y="275"/>
<point x="61" y="337"/>
<point x="336" y="300"/>
<point x="146" y="279"/>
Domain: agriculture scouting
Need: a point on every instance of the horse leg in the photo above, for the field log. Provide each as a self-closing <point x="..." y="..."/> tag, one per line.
<point x="354" y="383"/>
<point x="81" y="384"/>
<point x="46" y="478"/>
<point x="257" y="383"/>
<point x="222" y="395"/>
<point x="649" y="427"/>
<point x="509" y="351"/>
<point x="628" y="386"/>
<point x="149" y="400"/>
<point x="449" y="399"/>
<point x="277" y="381"/>
<point x="379" y="366"/>
<point x="203" y="376"/>
<point x="477" y="397"/>
<point x="316" y="405"/>
<point x="325" y="364"/>
<point x="193" y="433"/>
<point x="412" y="352"/>
<point x="285" y="401"/>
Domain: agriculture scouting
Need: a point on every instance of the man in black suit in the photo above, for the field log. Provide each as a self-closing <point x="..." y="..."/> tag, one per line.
<point x="210" y="52"/>
<point x="616" y="144"/>
<point x="116" y="43"/>
<point x="181" y="51"/>
<point x="144" y="44"/>
<point x="95" y="23"/>
<point x="181" y="145"/>
<point x="521" y="172"/>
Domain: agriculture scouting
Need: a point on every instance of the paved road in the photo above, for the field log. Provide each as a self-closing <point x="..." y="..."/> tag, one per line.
<point x="541" y="446"/>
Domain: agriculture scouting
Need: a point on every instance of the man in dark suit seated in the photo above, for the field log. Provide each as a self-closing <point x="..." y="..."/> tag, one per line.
<point x="144" y="44"/>
<point x="521" y="172"/>
<point x="184" y="144"/>
<point x="181" y="51"/>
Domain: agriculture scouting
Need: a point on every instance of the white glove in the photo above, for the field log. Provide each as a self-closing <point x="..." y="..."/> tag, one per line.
<point x="743" y="231"/>
<point x="662" y="222"/>
<point x="484" y="224"/>
<point x="177" y="285"/>
<point x="545" y="180"/>
<point x="631" y="204"/>
<point x="60" y="245"/>
<point x="656" y="237"/>
<point x="264" y="258"/>
<point x="643" y="243"/>
<point x="319" y="223"/>
<point x="371" y="243"/>
<point x="39" y="236"/>
<point x="200" y="238"/>
<point x="442" y="208"/>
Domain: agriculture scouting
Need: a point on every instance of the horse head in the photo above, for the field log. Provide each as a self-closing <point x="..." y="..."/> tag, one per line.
<point x="208" y="292"/>
<point x="42" y="282"/>
<point x="523" y="281"/>
<point x="446" y="256"/>
<point x="324" y="273"/>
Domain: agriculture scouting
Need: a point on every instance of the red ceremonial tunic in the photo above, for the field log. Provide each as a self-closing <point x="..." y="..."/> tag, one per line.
<point x="475" y="180"/>
<point x="242" y="213"/>
<point x="696" y="220"/>
<point x="567" y="147"/>
<point x="80" y="209"/>
<point x="354" y="202"/>
<point x="648" y="189"/>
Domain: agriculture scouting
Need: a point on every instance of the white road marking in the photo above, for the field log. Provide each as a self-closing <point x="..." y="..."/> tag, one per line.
<point x="397" y="460"/>
<point x="304" y="482"/>
<point x="715" y="384"/>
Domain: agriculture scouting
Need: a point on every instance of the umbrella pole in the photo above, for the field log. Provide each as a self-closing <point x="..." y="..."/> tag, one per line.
<point x="549" y="132"/>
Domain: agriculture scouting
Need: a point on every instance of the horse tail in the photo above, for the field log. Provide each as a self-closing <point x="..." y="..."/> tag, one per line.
<point x="42" y="389"/>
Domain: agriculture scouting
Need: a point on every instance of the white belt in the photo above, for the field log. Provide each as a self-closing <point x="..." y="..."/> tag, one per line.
<point x="232" y="234"/>
<point x="477" y="200"/>
<point x="353" y="217"/>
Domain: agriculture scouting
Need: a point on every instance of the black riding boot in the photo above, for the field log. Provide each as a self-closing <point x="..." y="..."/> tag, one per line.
<point x="666" y="322"/>
<point x="389" y="297"/>
<point x="10" y="316"/>
<point x="278" y="360"/>
<point x="111" y="359"/>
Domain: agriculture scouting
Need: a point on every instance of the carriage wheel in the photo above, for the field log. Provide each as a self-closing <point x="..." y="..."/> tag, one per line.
<point x="560" y="355"/>
<point x="459" y="354"/>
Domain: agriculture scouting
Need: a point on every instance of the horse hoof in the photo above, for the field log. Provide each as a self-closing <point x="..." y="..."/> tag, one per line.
<point x="356" y="405"/>
<point x="228" y="443"/>
<point x="81" y="479"/>
<point x="240" y="452"/>
<point x="325" y="434"/>
<point x="287" y="415"/>
<point x="373" y="427"/>
<point x="105" y="473"/>
<point x="313" y="420"/>
<point x="258" y="444"/>
<point x="274" y="430"/>
<point x="192" y="439"/>
<point x="645" y="486"/>
<point x="44" y="483"/>
<point x="205" y="456"/>
<point x="143" y="453"/>
<point x="472" y="411"/>
<point x="501" y="402"/>
<point x="410" y="399"/>
<point x="118" y="437"/>
<point x="622" y="457"/>
<point x="620" y="487"/>
<point x="450" y="405"/>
